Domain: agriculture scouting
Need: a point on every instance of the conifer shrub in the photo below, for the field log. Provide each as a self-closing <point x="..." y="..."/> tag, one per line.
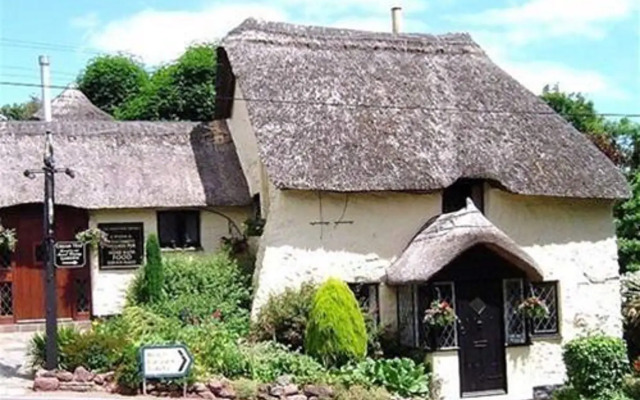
<point x="147" y="288"/>
<point x="336" y="332"/>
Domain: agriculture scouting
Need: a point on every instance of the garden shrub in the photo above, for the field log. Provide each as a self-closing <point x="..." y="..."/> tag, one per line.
<point x="631" y="386"/>
<point x="37" y="347"/>
<point x="127" y="373"/>
<point x="283" y="318"/>
<point x="336" y="332"/>
<point x="362" y="393"/>
<point x="94" y="351"/>
<point x="400" y="376"/>
<point x="596" y="365"/>
<point x="269" y="360"/>
<point x="246" y="389"/>
<point x="147" y="287"/>
<point x="631" y="312"/>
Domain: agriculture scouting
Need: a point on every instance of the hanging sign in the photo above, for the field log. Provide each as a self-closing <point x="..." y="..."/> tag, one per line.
<point x="172" y="361"/>
<point x="70" y="254"/>
<point x="125" y="246"/>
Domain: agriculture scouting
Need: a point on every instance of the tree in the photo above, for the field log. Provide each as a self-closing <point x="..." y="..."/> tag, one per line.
<point x="149" y="287"/>
<point x="183" y="90"/>
<point x="21" y="111"/>
<point x="108" y="81"/>
<point x="620" y="141"/>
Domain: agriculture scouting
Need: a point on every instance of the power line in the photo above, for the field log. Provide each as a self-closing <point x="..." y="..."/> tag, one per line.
<point x="378" y="106"/>
<point x="26" y="44"/>
<point x="35" y="71"/>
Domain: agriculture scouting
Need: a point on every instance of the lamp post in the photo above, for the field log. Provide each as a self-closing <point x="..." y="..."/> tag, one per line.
<point x="49" y="170"/>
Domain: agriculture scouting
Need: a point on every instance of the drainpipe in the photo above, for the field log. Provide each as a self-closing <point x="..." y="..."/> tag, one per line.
<point x="46" y="89"/>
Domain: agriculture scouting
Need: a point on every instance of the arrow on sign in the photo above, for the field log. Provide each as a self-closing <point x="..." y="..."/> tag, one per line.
<point x="172" y="361"/>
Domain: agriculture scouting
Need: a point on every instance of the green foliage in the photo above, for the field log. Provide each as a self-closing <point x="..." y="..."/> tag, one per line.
<point x="628" y="227"/>
<point x="336" y="332"/>
<point x="362" y="393"/>
<point x="268" y="360"/>
<point x="20" y="111"/>
<point x="94" y="350"/>
<point x="631" y="312"/>
<point x="128" y="372"/>
<point x="110" y="80"/>
<point x="37" y="347"/>
<point x="283" y="318"/>
<point x="148" y="287"/>
<point x="198" y="288"/>
<point x="596" y="365"/>
<point x="401" y="376"/>
<point x="246" y="389"/>
<point x="183" y="90"/>
<point x="566" y="393"/>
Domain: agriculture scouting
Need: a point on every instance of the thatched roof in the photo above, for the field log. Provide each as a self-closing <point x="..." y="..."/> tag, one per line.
<point x="450" y="235"/>
<point x="124" y="164"/>
<point x="73" y="105"/>
<point x="347" y="111"/>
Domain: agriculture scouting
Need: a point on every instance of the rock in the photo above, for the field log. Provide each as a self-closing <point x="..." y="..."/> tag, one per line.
<point x="215" y="385"/>
<point x="111" y="387"/>
<point x="199" y="388"/>
<point x="109" y="376"/>
<point x="99" y="379"/>
<point x="297" y="397"/>
<point x="76" y="386"/>
<point x="313" y="398"/>
<point x="82" y="375"/>
<point x="277" y="391"/>
<point x="319" y="391"/>
<point x="266" y="396"/>
<point x="46" y="384"/>
<point x="44" y="373"/>
<point x="283" y="380"/>
<point x="226" y="393"/>
<point x="207" y="395"/>
<point x="64" y="376"/>
<point x="291" y="389"/>
<point x="544" y="392"/>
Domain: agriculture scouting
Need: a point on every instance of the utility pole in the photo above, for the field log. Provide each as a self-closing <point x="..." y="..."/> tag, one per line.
<point x="49" y="170"/>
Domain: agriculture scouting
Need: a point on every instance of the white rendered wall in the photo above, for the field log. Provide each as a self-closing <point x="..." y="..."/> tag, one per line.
<point x="108" y="287"/>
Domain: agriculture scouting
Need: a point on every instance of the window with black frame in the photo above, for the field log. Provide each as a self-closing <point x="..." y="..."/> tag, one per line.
<point x="518" y="328"/>
<point x="437" y="294"/>
<point x="179" y="229"/>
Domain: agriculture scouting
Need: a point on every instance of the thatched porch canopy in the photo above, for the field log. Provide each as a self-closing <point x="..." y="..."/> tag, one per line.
<point x="124" y="164"/>
<point x="448" y="237"/>
<point x="73" y="105"/>
<point x="351" y="111"/>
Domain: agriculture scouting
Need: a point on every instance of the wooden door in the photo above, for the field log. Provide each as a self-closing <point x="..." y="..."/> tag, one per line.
<point x="481" y="337"/>
<point x="72" y="285"/>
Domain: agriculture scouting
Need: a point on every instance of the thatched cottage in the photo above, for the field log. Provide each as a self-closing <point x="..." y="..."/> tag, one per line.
<point x="414" y="166"/>
<point x="180" y="180"/>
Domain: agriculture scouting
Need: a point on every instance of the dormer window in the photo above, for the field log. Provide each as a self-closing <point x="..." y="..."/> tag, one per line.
<point x="455" y="197"/>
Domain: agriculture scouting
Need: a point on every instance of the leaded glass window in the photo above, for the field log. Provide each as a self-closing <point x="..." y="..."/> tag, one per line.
<point x="548" y="293"/>
<point x="6" y="299"/>
<point x="406" y="315"/>
<point x="367" y="296"/>
<point x="515" y="323"/>
<point x="446" y="337"/>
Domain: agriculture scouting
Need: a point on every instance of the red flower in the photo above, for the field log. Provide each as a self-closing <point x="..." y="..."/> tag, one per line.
<point x="217" y="314"/>
<point x="636" y="365"/>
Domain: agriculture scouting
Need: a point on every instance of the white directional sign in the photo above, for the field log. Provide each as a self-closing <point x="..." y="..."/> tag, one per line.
<point x="171" y="361"/>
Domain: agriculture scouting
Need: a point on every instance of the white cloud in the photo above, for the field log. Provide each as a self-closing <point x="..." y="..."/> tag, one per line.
<point x="543" y="19"/>
<point x="160" y="36"/>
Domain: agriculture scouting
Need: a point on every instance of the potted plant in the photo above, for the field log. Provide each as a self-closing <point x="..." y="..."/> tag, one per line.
<point x="533" y="307"/>
<point x="439" y="315"/>
<point x="94" y="237"/>
<point x="8" y="239"/>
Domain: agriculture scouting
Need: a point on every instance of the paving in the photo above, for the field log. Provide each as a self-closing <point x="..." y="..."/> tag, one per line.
<point x="15" y="374"/>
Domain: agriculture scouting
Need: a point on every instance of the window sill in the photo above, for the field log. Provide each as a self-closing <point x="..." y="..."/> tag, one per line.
<point x="181" y="249"/>
<point x="443" y="350"/>
<point x="543" y="337"/>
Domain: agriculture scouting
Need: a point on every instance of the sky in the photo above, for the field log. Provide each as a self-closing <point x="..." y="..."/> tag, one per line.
<point x="587" y="46"/>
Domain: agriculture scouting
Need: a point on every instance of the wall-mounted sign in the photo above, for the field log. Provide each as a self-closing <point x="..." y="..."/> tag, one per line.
<point x="124" y="247"/>
<point x="70" y="254"/>
<point x="172" y="361"/>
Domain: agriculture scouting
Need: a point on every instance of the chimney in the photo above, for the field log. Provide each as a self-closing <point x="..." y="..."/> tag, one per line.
<point x="396" y="19"/>
<point x="46" y="90"/>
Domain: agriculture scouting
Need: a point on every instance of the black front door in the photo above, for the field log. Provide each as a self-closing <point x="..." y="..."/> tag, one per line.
<point x="480" y="337"/>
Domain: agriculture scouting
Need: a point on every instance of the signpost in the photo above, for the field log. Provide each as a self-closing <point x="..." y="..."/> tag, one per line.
<point x="70" y="254"/>
<point x="164" y="362"/>
<point x="126" y="245"/>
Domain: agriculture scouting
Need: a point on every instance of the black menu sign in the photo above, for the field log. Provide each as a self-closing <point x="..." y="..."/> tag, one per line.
<point x="70" y="254"/>
<point x="124" y="247"/>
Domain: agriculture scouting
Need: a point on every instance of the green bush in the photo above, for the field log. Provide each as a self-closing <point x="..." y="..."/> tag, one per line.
<point x="94" y="351"/>
<point x="401" y="376"/>
<point x="37" y="347"/>
<point x="566" y="393"/>
<point x="362" y="393"/>
<point x="631" y="386"/>
<point x="269" y="360"/>
<point x="128" y="372"/>
<point x="336" y="332"/>
<point x="147" y="288"/>
<point x="283" y="318"/>
<point x="246" y="389"/>
<point x="596" y="365"/>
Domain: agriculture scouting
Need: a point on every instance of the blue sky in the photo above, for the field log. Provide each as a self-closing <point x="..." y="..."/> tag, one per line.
<point x="591" y="46"/>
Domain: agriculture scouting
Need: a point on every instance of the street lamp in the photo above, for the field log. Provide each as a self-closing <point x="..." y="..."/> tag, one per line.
<point x="49" y="170"/>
